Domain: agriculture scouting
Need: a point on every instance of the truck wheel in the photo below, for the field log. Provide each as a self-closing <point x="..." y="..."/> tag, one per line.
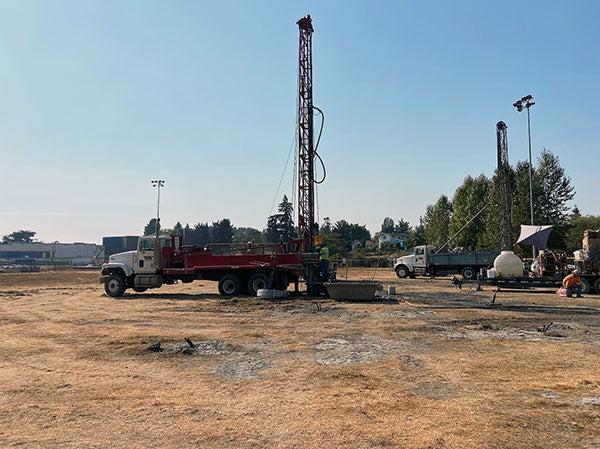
<point x="256" y="282"/>
<point x="115" y="286"/>
<point x="585" y="286"/>
<point x="468" y="273"/>
<point x="402" y="271"/>
<point x="230" y="285"/>
<point x="597" y="286"/>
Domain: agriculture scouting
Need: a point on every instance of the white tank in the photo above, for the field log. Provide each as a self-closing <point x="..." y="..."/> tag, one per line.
<point x="508" y="264"/>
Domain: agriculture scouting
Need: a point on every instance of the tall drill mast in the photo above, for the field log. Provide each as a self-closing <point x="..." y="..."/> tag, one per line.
<point x="306" y="153"/>
<point x="504" y="186"/>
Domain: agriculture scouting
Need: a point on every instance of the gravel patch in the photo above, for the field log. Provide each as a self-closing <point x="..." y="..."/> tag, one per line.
<point x="353" y="349"/>
<point x="591" y="400"/>
<point x="501" y="334"/>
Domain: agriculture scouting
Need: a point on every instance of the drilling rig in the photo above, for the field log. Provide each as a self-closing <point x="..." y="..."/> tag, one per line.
<point x="306" y="150"/>
<point x="240" y="268"/>
<point x="504" y="186"/>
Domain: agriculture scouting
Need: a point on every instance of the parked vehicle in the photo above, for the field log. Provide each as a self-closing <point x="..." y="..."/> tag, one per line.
<point x="425" y="261"/>
<point x="239" y="268"/>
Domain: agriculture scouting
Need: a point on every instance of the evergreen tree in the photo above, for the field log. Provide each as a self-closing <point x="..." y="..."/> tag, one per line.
<point x="402" y="228"/>
<point x="178" y="229"/>
<point x="201" y="234"/>
<point x="272" y="231"/>
<point x="286" y="220"/>
<point x="416" y="235"/>
<point x="556" y="192"/>
<point x="437" y="221"/>
<point x="521" y="203"/>
<point x="222" y="231"/>
<point x="469" y="199"/>
<point x="280" y="226"/>
<point x="387" y="226"/>
<point x="150" y="228"/>
<point x="187" y="235"/>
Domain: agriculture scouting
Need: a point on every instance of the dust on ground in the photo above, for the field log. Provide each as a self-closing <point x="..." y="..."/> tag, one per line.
<point x="433" y="367"/>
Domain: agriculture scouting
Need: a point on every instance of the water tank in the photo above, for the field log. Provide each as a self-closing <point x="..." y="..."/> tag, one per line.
<point x="508" y="264"/>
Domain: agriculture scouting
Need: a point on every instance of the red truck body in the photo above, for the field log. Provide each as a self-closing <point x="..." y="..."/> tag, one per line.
<point x="215" y="260"/>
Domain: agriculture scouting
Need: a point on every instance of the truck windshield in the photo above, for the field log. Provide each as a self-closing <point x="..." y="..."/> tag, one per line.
<point x="146" y="245"/>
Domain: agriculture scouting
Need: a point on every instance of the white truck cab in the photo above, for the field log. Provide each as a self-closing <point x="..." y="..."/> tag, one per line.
<point x="134" y="269"/>
<point x="427" y="261"/>
<point x="406" y="266"/>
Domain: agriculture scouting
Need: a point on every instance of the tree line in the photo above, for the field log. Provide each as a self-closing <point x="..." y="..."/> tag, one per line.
<point x="469" y="219"/>
<point x="477" y="199"/>
<point x="280" y="227"/>
<point x="339" y="236"/>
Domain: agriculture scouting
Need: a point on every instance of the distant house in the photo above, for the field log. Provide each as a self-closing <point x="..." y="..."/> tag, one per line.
<point x="384" y="238"/>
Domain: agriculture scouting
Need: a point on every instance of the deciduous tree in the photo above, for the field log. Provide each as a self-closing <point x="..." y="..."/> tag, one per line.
<point x="21" y="236"/>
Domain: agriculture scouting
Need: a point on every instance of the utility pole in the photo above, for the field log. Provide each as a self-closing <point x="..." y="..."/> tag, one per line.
<point x="525" y="103"/>
<point x="158" y="183"/>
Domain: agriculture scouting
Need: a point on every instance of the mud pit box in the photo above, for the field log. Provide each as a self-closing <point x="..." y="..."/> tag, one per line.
<point x="353" y="290"/>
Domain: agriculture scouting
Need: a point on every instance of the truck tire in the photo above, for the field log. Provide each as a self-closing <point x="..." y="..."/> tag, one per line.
<point x="585" y="286"/>
<point x="402" y="271"/>
<point x="230" y="285"/>
<point x="256" y="282"/>
<point x="597" y="286"/>
<point x="468" y="273"/>
<point x="115" y="286"/>
<point x="139" y="289"/>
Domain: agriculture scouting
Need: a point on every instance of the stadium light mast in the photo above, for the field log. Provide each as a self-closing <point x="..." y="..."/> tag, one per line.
<point x="158" y="183"/>
<point x="525" y="103"/>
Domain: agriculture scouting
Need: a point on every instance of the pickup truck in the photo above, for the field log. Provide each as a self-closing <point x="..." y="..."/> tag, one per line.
<point x="426" y="262"/>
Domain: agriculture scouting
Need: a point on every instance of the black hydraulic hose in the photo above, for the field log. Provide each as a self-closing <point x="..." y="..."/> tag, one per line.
<point x="317" y="145"/>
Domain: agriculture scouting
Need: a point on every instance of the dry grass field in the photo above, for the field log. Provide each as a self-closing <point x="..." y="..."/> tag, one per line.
<point x="436" y="367"/>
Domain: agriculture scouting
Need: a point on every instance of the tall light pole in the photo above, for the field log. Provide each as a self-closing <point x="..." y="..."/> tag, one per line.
<point x="158" y="183"/>
<point x="525" y="103"/>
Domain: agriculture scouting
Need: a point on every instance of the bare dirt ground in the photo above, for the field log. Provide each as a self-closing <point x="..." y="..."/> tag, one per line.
<point x="436" y="368"/>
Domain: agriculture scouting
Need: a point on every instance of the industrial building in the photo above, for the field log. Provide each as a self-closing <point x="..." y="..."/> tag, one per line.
<point x="72" y="253"/>
<point x="119" y="244"/>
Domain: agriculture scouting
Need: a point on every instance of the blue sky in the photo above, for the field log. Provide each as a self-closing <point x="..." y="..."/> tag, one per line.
<point x="99" y="97"/>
